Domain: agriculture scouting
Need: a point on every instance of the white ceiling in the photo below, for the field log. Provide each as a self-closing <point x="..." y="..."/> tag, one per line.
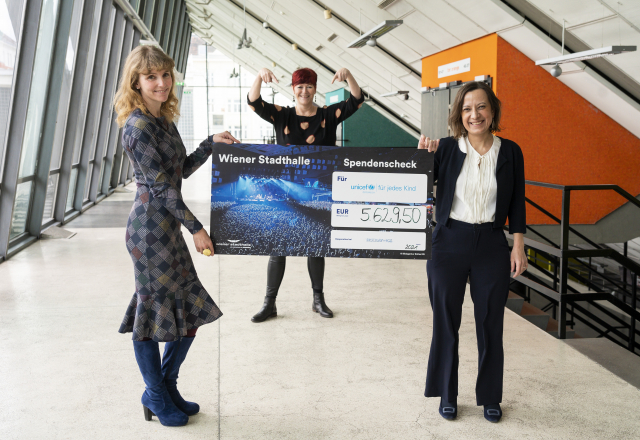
<point x="430" y="26"/>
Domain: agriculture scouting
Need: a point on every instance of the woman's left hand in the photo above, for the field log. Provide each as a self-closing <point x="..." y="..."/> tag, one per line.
<point x="519" y="262"/>
<point x="224" y="137"/>
<point x="341" y="75"/>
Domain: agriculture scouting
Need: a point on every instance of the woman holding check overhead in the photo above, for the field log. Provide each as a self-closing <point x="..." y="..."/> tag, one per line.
<point x="304" y="124"/>
<point x="480" y="181"/>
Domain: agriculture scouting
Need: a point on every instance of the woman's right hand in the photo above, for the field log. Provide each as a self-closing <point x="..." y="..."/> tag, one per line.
<point x="427" y="144"/>
<point x="267" y="76"/>
<point x="202" y="241"/>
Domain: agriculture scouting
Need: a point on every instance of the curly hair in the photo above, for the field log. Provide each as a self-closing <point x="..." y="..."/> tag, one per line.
<point x="455" y="117"/>
<point x="143" y="60"/>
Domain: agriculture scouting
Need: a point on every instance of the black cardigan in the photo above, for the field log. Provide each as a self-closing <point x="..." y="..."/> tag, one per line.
<point x="510" y="202"/>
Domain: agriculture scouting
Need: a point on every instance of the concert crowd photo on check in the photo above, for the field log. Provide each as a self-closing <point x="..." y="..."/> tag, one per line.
<point x="321" y="201"/>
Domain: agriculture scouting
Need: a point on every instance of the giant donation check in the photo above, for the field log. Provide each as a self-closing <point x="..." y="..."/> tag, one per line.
<point x="307" y="200"/>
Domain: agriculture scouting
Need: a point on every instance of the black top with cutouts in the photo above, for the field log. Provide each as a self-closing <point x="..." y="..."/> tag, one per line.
<point x="319" y="129"/>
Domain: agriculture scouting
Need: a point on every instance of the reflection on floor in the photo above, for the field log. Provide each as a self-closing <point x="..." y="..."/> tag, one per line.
<point x="67" y="373"/>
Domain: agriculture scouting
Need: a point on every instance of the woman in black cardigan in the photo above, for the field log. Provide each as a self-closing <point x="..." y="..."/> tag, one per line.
<point x="480" y="180"/>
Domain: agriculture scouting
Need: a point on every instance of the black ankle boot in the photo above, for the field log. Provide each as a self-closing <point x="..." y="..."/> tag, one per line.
<point x="268" y="310"/>
<point x="448" y="410"/>
<point x="319" y="305"/>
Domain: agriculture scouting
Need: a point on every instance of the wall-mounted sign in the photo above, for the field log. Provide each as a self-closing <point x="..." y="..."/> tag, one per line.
<point x="454" y="68"/>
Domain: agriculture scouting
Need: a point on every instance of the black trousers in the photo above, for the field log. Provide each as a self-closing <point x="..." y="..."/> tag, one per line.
<point x="481" y="253"/>
<point x="275" y="273"/>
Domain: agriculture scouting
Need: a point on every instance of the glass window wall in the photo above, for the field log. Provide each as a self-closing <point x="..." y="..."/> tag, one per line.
<point x="70" y="157"/>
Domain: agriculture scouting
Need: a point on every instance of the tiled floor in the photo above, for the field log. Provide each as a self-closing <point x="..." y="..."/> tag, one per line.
<point x="65" y="372"/>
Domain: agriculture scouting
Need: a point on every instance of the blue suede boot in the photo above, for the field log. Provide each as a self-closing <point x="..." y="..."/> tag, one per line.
<point x="156" y="400"/>
<point x="174" y="355"/>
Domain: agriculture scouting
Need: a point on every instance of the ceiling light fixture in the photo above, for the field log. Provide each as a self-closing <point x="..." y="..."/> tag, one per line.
<point x="327" y="14"/>
<point x="556" y="70"/>
<point x="397" y="93"/>
<point x="384" y="4"/>
<point x="587" y="55"/>
<point x="370" y="37"/>
<point x="403" y="93"/>
<point x="244" y="41"/>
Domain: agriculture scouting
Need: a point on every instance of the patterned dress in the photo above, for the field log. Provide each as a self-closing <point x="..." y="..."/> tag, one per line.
<point x="169" y="298"/>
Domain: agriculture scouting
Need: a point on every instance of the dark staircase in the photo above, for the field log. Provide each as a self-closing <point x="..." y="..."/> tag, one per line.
<point x="592" y="286"/>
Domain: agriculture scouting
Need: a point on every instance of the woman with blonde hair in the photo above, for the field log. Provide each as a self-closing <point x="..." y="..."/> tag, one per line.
<point x="170" y="303"/>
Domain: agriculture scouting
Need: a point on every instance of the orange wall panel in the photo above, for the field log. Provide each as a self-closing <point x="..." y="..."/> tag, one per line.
<point x="483" y="54"/>
<point x="564" y="139"/>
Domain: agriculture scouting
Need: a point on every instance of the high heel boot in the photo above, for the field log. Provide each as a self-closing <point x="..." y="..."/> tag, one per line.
<point x="268" y="310"/>
<point x="156" y="400"/>
<point x="319" y="305"/>
<point x="174" y="355"/>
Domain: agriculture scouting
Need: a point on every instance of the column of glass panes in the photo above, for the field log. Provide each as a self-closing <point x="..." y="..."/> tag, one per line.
<point x="35" y="115"/>
<point x="10" y="17"/>
<point x="63" y="108"/>
<point x="87" y="136"/>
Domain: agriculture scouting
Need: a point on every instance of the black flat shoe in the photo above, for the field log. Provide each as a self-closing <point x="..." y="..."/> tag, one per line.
<point x="493" y="412"/>
<point x="267" y="311"/>
<point x="448" y="410"/>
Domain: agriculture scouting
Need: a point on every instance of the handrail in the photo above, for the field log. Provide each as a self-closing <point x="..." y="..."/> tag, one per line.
<point x="556" y="219"/>
<point x="595" y="187"/>
<point x="561" y="291"/>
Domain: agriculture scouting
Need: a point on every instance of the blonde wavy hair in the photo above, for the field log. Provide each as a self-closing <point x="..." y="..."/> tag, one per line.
<point x="143" y="60"/>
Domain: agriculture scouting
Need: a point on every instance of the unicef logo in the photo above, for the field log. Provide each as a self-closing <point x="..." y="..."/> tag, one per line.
<point x="372" y="187"/>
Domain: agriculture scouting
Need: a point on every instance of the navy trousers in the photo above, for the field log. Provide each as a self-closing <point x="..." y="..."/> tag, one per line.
<point x="481" y="253"/>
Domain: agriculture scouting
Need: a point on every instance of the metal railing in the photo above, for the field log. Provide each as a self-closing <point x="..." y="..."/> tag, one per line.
<point x="556" y="288"/>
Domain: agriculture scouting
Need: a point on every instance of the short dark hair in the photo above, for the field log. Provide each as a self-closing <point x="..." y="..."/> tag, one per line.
<point x="455" y="117"/>
<point x="304" y="76"/>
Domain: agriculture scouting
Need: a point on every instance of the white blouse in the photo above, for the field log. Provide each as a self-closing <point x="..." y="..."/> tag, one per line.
<point x="474" y="200"/>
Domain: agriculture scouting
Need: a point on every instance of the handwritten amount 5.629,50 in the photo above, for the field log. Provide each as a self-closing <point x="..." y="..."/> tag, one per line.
<point x="397" y="214"/>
